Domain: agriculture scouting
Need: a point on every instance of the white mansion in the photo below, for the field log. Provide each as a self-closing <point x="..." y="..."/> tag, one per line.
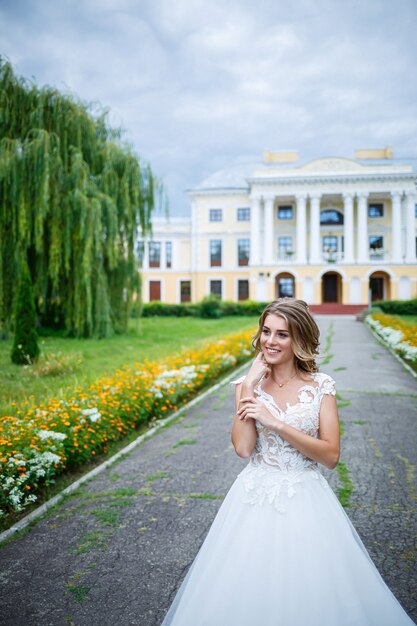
<point x="329" y="230"/>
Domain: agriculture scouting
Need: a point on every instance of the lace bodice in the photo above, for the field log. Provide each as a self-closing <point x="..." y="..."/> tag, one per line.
<point x="274" y="454"/>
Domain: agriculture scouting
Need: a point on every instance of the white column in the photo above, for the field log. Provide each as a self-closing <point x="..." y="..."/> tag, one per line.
<point x="396" y="227"/>
<point x="163" y="255"/>
<point x="255" y="228"/>
<point x="410" y="221"/>
<point x="268" y="247"/>
<point x="363" y="242"/>
<point x="315" y="252"/>
<point x="145" y="262"/>
<point x="301" y="230"/>
<point x="194" y="236"/>
<point x="348" y="227"/>
<point x="194" y="251"/>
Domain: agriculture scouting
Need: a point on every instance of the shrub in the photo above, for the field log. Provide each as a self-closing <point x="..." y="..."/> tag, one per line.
<point x="161" y="309"/>
<point x="398" y="307"/>
<point x="244" y="307"/>
<point x="210" y="307"/>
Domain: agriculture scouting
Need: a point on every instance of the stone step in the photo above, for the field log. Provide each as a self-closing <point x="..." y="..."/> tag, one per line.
<point x="334" y="308"/>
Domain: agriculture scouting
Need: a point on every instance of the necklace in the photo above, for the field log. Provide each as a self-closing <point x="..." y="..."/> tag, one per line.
<point x="284" y="383"/>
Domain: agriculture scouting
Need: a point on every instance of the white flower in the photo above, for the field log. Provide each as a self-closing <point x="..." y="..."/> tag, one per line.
<point x="51" y="434"/>
<point x="47" y="458"/>
<point x="93" y="414"/>
<point x="173" y="378"/>
<point x="228" y="359"/>
<point x="394" y="339"/>
<point x="94" y="417"/>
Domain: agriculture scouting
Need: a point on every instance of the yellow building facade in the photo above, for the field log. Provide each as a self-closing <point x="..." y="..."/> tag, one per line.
<point x="332" y="230"/>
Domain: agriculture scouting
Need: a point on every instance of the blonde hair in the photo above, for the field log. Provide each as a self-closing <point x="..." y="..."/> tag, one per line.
<point x="302" y="329"/>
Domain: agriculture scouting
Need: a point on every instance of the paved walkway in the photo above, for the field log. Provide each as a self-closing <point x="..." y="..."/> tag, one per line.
<point x="116" y="551"/>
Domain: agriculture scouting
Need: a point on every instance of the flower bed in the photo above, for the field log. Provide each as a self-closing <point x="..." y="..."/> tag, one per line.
<point x="40" y="442"/>
<point x="396" y="334"/>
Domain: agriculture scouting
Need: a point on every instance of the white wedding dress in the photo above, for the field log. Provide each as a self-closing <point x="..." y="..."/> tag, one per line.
<point x="281" y="550"/>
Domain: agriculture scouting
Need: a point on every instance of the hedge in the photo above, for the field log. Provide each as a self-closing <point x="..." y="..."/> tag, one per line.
<point x="209" y="307"/>
<point x="397" y="307"/>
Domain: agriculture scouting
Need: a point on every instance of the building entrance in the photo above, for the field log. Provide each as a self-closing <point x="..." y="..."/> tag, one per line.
<point x="331" y="287"/>
<point x="284" y="286"/>
<point x="379" y="285"/>
<point x="377" y="288"/>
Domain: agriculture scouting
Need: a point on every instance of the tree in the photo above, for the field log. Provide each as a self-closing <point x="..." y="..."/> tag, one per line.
<point x="25" y="346"/>
<point x="73" y="198"/>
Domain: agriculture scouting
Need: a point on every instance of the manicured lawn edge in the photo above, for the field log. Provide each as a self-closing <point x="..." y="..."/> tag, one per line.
<point x="381" y="340"/>
<point x="44" y="508"/>
<point x="41" y="442"/>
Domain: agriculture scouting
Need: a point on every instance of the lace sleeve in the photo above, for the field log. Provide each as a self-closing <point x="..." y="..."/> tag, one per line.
<point x="328" y="386"/>
<point x="238" y="381"/>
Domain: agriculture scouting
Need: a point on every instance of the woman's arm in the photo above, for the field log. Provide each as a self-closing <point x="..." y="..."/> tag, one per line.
<point x="243" y="432"/>
<point x="325" y="450"/>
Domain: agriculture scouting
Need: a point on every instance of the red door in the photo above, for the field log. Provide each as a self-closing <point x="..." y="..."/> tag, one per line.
<point x="154" y="290"/>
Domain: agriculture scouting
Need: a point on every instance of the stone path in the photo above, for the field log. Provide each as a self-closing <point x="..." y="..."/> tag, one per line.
<point x="117" y="550"/>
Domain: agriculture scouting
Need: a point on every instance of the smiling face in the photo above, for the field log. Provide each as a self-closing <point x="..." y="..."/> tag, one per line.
<point x="275" y="341"/>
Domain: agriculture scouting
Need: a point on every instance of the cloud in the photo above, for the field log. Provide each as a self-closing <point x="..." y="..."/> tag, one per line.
<point x="201" y="84"/>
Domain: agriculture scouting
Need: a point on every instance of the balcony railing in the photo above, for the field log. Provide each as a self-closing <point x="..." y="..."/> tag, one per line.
<point x="287" y="256"/>
<point x="378" y="255"/>
<point x="331" y="257"/>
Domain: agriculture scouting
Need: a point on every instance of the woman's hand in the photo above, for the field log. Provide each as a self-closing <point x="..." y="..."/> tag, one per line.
<point x="258" y="370"/>
<point x="252" y="408"/>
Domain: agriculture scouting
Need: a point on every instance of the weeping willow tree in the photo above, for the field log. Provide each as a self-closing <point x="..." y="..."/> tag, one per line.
<point x="73" y="198"/>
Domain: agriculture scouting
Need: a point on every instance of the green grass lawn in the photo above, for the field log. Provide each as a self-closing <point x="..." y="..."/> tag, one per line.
<point x="90" y="359"/>
<point x="410" y="320"/>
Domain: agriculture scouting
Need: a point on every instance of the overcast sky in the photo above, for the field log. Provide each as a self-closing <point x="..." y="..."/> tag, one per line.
<point x="201" y="84"/>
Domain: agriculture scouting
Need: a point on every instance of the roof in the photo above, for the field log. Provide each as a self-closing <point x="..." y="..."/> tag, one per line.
<point x="231" y="177"/>
<point x="238" y="176"/>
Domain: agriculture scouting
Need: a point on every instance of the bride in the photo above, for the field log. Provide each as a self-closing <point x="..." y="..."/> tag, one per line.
<point x="281" y="550"/>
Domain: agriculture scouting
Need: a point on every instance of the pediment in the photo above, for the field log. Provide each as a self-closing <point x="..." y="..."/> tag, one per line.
<point x="332" y="164"/>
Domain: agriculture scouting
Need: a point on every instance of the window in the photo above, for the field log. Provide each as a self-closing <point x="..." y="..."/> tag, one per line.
<point x="215" y="252"/>
<point x="376" y="243"/>
<point x="243" y="251"/>
<point x="140" y="250"/>
<point x="154" y="254"/>
<point x="216" y="215"/>
<point x="376" y="210"/>
<point x="331" y="217"/>
<point x="216" y="288"/>
<point x="154" y="290"/>
<point x="185" y="291"/>
<point x="243" y="215"/>
<point x="285" y="247"/>
<point x="330" y="244"/>
<point x="243" y="290"/>
<point x="285" y="287"/>
<point x="285" y="213"/>
<point x="168" y="253"/>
